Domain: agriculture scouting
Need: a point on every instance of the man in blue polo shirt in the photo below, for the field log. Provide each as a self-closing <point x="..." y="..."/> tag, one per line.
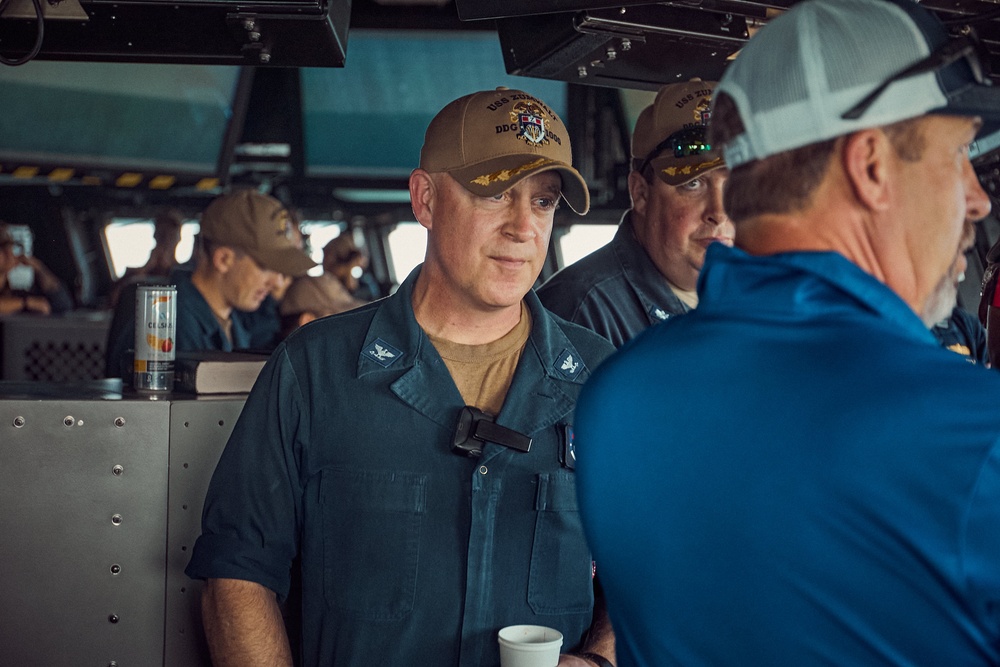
<point x="796" y="473"/>
<point x="386" y="448"/>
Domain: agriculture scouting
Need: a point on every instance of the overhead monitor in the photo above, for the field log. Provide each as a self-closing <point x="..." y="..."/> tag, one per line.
<point x="77" y="121"/>
<point x="369" y="119"/>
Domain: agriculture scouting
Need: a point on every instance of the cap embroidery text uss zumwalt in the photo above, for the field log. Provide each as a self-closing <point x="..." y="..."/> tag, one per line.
<point x="529" y="118"/>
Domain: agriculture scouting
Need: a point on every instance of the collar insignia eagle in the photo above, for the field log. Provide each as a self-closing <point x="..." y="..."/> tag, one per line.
<point x="382" y="353"/>
<point x="568" y="364"/>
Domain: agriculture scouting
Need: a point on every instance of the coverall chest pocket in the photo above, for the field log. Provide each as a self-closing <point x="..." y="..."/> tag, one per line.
<point x="371" y="539"/>
<point x="560" y="580"/>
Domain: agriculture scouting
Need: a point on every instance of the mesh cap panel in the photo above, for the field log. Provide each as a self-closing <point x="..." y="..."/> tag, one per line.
<point x="796" y="78"/>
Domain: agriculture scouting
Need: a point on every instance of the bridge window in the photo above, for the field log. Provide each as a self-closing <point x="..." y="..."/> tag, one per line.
<point x="581" y="240"/>
<point x="407" y="244"/>
<point x="130" y="241"/>
<point x="317" y="235"/>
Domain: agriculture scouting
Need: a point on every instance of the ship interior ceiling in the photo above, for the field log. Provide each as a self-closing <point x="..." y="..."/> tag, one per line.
<point x="324" y="102"/>
<point x="112" y="111"/>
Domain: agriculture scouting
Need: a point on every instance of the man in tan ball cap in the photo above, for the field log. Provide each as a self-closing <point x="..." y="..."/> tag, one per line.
<point x="415" y="454"/>
<point x="245" y="244"/>
<point x="648" y="272"/>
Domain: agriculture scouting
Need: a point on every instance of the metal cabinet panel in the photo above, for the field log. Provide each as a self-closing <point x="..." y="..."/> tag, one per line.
<point x="83" y="487"/>
<point x="198" y="433"/>
<point x="100" y="504"/>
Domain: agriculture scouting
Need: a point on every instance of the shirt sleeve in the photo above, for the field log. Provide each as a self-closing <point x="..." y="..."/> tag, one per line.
<point x="253" y="509"/>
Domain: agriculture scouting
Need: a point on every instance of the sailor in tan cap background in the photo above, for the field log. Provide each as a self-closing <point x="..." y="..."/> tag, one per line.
<point x="415" y="454"/>
<point x="245" y="244"/>
<point x="649" y="271"/>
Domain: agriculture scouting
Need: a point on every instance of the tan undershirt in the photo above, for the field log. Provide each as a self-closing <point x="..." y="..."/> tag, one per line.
<point x="688" y="297"/>
<point x="483" y="373"/>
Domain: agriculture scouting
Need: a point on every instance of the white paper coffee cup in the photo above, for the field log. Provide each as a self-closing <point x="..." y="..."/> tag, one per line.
<point x="529" y="646"/>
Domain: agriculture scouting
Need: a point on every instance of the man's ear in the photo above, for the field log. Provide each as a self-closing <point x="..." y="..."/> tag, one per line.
<point x="223" y="258"/>
<point x="422" y="195"/>
<point x="306" y="318"/>
<point x="866" y="156"/>
<point x="638" y="190"/>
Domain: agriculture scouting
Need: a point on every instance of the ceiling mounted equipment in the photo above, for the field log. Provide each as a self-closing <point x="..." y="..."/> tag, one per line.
<point x="283" y="33"/>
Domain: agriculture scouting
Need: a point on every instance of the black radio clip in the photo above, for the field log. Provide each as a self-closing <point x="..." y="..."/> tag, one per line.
<point x="476" y="427"/>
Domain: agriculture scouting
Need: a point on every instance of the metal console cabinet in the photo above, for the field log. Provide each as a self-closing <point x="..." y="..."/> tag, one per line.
<point x="100" y="504"/>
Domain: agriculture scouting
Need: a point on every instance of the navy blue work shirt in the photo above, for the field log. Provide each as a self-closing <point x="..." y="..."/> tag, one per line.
<point x="263" y="325"/>
<point x="616" y="290"/>
<point x="410" y="554"/>
<point x="197" y="327"/>
<point x="963" y="333"/>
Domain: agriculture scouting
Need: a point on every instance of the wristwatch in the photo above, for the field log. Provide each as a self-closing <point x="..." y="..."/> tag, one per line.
<point x="600" y="660"/>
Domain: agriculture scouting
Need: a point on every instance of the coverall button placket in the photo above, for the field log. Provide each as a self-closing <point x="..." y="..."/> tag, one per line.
<point x="479" y="576"/>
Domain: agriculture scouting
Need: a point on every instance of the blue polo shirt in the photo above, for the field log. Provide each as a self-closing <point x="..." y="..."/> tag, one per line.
<point x="410" y="554"/>
<point x="616" y="290"/>
<point x="794" y="473"/>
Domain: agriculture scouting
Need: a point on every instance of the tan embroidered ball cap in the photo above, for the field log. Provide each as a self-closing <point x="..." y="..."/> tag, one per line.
<point x="258" y="225"/>
<point x="677" y="106"/>
<point x="490" y="140"/>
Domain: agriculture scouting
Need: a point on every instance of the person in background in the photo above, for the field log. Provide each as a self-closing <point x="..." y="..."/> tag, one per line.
<point x="162" y="258"/>
<point x="46" y="295"/>
<point x="796" y="472"/>
<point x="310" y="298"/>
<point x="245" y="243"/>
<point x="355" y="455"/>
<point x="344" y="263"/>
<point x="962" y="333"/>
<point x="989" y="302"/>
<point x="264" y="325"/>
<point x="955" y="328"/>
<point x="648" y="272"/>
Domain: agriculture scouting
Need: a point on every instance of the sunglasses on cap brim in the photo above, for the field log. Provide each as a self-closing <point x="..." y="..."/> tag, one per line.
<point x="683" y="143"/>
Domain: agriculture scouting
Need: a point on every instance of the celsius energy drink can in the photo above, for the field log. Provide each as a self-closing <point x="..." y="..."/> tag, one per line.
<point x="155" y="332"/>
